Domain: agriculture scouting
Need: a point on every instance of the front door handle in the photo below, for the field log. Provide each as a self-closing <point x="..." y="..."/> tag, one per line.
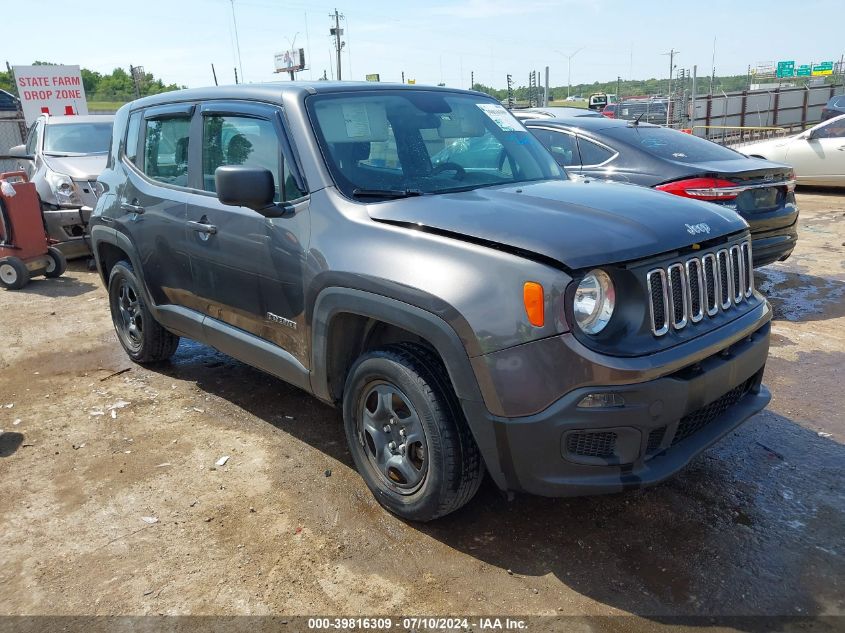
<point x="201" y="227"/>
<point x="131" y="208"/>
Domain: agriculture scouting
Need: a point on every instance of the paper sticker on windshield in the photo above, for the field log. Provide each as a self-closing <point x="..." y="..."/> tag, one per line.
<point x="500" y="116"/>
<point x="357" y="120"/>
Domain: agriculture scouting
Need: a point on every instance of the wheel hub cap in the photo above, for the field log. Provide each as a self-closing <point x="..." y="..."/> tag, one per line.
<point x="392" y="436"/>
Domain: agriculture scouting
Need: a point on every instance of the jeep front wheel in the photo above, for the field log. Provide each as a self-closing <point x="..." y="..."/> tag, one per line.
<point x="407" y="433"/>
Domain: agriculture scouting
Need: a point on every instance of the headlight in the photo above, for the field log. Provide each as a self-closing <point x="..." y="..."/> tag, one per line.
<point x="594" y="301"/>
<point x="63" y="188"/>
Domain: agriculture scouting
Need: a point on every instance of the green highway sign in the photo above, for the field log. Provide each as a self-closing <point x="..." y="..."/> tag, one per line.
<point x="823" y="68"/>
<point x="803" y="70"/>
<point x="786" y="69"/>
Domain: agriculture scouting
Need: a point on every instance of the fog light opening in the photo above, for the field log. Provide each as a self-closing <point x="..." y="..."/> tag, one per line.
<point x="601" y="401"/>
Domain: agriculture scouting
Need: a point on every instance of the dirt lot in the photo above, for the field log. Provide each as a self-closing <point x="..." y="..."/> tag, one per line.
<point x="286" y="526"/>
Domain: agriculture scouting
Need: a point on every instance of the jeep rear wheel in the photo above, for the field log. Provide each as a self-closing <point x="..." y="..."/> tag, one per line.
<point x="407" y="433"/>
<point x="143" y="339"/>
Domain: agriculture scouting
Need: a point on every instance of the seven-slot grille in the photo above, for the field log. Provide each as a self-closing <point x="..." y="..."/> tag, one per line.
<point x="684" y="292"/>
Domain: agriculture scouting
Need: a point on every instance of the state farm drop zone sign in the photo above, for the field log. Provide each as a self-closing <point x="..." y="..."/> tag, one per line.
<point x="54" y="90"/>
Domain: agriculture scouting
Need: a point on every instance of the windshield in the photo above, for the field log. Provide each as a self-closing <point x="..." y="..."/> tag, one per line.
<point x="671" y="144"/>
<point x="401" y="142"/>
<point x="77" y="138"/>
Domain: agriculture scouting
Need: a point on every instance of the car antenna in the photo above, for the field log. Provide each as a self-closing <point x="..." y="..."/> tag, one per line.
<point x="636" y="121"/>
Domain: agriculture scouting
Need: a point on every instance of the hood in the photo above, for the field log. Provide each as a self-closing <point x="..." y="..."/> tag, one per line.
<point x="579" y="224"/>
<point x="86" y="167"/>
<point x="769" y="144"/>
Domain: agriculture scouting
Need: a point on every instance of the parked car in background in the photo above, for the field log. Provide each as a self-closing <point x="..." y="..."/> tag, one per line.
<point x="597" y="101"/>
<point x="552" y="112"/>
<point x="643" y="110"/>
<point x="610" y="110"/>
<point x="817" y="155"/>
<point x="834" y="107"/>
<point x="63" y="156"/>
<point x="762" y="192"/>
<point x="8" y="102"/>
<point x="574" y="98"/>
<point x="310" y="232"/>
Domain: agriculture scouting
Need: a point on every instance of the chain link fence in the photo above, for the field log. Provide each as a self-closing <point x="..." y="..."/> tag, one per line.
<point x="10" y="135"/>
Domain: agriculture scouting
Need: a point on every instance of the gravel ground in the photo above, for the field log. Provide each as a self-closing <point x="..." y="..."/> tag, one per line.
<point x="115" y="499"/>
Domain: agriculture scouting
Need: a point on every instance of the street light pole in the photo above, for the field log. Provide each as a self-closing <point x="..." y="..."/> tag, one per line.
<point x="569" y="69"/>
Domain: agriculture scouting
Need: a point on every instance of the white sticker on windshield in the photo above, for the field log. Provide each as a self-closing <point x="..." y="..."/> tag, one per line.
<point x="500" y="117"/>
<point x="357" y="120"/>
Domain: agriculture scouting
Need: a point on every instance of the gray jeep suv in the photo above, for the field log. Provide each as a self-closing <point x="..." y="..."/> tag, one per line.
<point x="569" y="338"/>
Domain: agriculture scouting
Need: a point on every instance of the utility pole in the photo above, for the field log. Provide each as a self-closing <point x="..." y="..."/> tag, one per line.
<point x="618" y="88"/>
<point x="337" y="32"/>
<point x="236" y="76"/>
<point x="133" y="72"/>
<point x="713" y="66"/>
<point x="672" y="52"/>
<point x="510" y="92"/>
<point x="472" y="80"/>
<point x="546" y="91"/>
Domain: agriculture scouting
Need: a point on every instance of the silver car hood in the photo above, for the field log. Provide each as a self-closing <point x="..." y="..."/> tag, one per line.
<point x="86" y="167"/>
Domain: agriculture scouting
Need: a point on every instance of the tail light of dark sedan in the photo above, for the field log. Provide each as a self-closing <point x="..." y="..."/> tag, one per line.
<point x="718" y="189"/>
<point x="710" y="189"/>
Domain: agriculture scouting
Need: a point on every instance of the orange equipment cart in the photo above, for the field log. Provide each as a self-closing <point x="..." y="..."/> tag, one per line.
<point x="24" y="250"/>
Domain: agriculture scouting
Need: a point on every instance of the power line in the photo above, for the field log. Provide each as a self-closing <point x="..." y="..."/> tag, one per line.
<point x="237" y="42"/>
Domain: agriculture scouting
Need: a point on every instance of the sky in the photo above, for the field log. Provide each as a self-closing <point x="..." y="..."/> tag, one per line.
<point x="432" y="42"/>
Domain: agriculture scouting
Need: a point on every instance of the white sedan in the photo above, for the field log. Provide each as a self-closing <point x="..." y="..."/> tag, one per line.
<point x="817" y="154"/>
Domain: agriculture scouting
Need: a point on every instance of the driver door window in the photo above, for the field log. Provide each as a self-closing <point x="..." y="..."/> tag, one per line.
<point x="241" y="140"/>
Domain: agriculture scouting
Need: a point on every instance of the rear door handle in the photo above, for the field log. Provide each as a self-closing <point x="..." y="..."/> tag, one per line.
<point x="200" y="227"/>
<point x="131" y="208"/>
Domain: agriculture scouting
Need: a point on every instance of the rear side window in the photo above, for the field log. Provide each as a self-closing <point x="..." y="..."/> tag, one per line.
<point x="561" y="145"/>
<point x="235" y="140"/>
<point x="130" y="146"/>
<point x="593" y="153"/>
<point x="671" y="144"/>
<point x="166" y="150"/>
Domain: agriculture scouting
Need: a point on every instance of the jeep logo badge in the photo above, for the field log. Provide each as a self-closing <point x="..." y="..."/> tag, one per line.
<point x="695" y="229"/>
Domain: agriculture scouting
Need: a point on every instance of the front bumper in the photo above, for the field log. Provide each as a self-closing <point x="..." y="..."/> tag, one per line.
<point x="69" y="226"/>
<point x="665" y="422"/>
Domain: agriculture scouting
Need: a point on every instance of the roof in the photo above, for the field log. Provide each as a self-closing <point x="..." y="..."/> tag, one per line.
<point x="80" y="118"/>
<point x="594" y="124"/>
<point x="272" y="91"/>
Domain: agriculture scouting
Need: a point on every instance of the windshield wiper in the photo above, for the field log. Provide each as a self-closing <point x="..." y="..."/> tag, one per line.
<point x="386" y="193"/>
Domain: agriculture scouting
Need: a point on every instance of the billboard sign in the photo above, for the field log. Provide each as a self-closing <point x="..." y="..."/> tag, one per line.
<point x="290" y="61"/>
<point x="54" y="90"/>
<point x="373" y="77"/>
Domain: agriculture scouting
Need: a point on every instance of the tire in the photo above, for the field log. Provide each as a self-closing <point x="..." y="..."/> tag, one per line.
<point x="14" y="274"/>
<point x="433" y="466"/>
<point x="141" y="336"/>
<point x="57" y="265"/>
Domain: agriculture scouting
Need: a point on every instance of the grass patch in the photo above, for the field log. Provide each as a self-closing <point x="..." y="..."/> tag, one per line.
<point x="105" y="105"/>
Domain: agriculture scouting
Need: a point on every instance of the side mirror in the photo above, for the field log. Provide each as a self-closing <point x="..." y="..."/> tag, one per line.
<point x="19" y="151"/>
<point x="251" y="187"/>
<point x="810" y="135"/>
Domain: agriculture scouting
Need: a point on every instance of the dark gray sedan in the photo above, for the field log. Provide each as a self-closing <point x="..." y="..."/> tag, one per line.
<point x="761" y="191"/>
